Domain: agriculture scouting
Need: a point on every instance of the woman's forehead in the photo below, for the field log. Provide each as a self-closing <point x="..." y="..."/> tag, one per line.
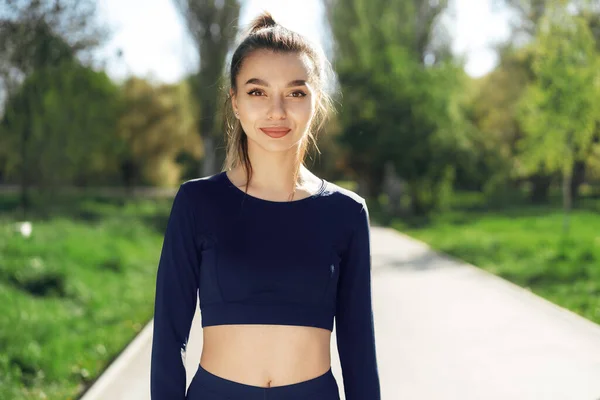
<point x="274" y="66"/>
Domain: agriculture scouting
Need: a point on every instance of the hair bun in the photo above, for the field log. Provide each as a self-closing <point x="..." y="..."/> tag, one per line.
<point x="264" y="20"/>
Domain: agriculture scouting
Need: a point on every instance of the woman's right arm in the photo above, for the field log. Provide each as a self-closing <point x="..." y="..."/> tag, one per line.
<point x="175" y="301"/>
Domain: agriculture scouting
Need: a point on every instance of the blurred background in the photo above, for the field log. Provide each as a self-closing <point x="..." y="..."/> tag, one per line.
<point x="472" y="125"/>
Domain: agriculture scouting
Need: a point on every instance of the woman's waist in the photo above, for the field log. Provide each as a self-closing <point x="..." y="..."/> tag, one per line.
<point x="266" y="355"/>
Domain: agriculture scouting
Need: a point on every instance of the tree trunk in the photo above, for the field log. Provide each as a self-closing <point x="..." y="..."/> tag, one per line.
<point x="209" y="166"/>
<point x="578" y="178"/>
<point x="567" y="199"/>
<point x="364" y="187"/>
<point x="25" y="166"/>
<point x="541" y="188"/>
<point x="392" y="187"/>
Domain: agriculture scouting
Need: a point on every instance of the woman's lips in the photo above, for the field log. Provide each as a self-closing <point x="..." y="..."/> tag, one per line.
<point x="275" y="132"/>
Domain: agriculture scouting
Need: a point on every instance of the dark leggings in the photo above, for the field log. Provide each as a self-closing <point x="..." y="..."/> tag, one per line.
<point x="207" y="386"/>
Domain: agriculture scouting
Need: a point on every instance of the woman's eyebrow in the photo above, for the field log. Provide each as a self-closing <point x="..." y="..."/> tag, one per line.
<point x="257" y="81"/>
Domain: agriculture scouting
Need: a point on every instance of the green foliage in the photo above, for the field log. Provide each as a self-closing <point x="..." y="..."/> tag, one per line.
<point x="157" y="127"/>
<point x="406" y="23"/>
<point x="59" y="127"/>
<point x="534" y="113"/>
<point x="496" y="128"/>
<point x="559" y="111"/>
<point x="394" y="106"/>
<point x="35" y="34"/>
<point x="409" y="115"/>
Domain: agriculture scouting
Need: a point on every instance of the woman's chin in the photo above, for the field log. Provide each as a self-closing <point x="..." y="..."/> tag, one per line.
<point x="277" y="145"/>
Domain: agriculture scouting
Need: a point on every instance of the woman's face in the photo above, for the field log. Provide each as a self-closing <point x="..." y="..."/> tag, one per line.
<point x="274" y="99"/>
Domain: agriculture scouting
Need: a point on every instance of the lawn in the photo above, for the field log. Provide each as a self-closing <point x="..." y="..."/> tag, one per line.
<point x="75" y="292"/>
<point x="524" y="244"/>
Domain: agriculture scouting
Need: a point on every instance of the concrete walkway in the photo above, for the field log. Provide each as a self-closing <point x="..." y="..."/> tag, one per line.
<point x="445" y="330"/>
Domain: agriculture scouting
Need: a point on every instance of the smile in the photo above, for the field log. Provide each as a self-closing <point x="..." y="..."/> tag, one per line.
<point x="275" y="132"/>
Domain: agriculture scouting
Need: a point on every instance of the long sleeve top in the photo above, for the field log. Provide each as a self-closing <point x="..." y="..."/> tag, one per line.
<point x="253" y="261"/>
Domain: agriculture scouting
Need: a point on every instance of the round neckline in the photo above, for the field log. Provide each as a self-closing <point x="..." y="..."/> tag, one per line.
<point x="258" y="199"/>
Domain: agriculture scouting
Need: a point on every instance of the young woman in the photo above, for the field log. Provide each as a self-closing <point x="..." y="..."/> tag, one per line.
<point x="273" y="252"/>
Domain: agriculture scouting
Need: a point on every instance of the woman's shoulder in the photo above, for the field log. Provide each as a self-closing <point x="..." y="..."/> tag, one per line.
<point x="199" y="192"/>
<point x="202" y="185"/>
<point x="345" y="196"/>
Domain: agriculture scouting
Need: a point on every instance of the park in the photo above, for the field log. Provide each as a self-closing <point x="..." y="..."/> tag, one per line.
<point x="483" y="194"/>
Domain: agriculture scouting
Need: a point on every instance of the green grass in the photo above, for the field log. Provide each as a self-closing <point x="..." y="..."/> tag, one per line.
<point x="525" y="245"/>
<point x="74" y="293"/>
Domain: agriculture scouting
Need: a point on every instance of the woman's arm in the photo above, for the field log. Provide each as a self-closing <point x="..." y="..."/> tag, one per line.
<point x="175" y="301"/>
<point x="355" y="332"/>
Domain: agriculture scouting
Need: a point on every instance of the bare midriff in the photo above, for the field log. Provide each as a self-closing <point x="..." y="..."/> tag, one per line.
<point x="266" y="355"/>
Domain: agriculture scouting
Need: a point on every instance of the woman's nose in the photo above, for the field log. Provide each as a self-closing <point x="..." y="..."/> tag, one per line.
<point x="277" y="109"/>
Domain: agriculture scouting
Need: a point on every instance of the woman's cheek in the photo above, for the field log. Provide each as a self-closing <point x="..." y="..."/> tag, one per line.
<point x="303" y="110"/>
<point x="254" y="108"/>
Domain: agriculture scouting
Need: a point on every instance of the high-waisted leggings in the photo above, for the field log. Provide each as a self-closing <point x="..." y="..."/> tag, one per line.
<point x="207" y="386"/>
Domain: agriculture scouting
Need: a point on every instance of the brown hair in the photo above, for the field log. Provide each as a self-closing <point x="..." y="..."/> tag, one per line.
<point x="265" y="33"/>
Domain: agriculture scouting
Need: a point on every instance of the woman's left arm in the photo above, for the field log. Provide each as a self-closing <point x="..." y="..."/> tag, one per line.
<point x="355" y="331"/>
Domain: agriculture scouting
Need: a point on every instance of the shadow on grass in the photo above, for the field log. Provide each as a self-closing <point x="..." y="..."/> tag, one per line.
<point x="469" y="215"/>
<point x="91" y="209"/>
<point x="46" y="284"/>
<point x="467" y="207"/>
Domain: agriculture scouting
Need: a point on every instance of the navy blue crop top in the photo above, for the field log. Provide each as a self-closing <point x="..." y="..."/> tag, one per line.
<point x="255" y="261"/>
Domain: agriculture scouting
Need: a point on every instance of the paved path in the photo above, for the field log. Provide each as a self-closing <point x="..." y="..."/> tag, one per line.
<point x="445" y="330"/>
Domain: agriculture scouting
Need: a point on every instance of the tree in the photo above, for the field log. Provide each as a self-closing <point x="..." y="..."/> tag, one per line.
<point x="415" y="24"/>
<point x="36" y="33"/>
<point x="397" y="104"/>
<point x="57" y="127"/>
<point x="212" y="24"/>
<point x="493" y="111"/>
<point x="525" y="27"/>
<point x="158" y="124"/>
<point x="559" y="110"/>
<point x="530" y="12"/>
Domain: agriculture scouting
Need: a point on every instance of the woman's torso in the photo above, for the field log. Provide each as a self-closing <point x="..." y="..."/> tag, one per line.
<point x="266" y="355"/>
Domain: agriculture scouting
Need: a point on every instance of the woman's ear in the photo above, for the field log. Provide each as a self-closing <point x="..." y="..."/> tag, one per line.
<point x="233" y="101"/>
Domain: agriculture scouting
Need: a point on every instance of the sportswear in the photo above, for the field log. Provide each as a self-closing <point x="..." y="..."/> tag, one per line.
<point x="255" y="261"/>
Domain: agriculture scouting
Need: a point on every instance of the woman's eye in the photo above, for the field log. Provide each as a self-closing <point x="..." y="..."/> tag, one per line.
<point x="299" y="93"/>
<point x="256" y="92"/>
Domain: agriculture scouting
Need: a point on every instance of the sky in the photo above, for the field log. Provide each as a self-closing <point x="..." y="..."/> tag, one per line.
<point x="155" y="44"/>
